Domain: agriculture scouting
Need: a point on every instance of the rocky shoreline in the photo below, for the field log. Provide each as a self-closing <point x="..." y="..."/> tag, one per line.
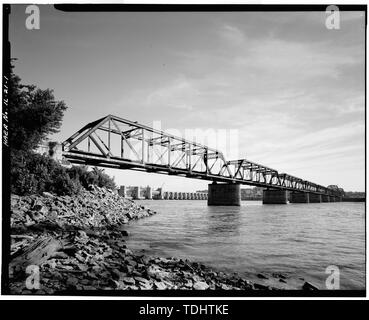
<point x="78" y="245"/>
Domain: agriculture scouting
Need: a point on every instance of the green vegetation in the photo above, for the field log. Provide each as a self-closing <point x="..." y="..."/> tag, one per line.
<point x="96" y="177"/>
<point x="34" y="114"/>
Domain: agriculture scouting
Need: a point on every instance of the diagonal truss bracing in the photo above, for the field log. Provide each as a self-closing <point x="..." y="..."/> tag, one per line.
<point x="119" y="143"/>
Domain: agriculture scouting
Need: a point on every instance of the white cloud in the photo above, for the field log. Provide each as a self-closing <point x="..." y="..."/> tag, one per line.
<point x="233" y="35"/>
<point x="176" y="94"/>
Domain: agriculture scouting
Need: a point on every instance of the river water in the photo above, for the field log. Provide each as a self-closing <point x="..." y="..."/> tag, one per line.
<point x="298" y="240"/>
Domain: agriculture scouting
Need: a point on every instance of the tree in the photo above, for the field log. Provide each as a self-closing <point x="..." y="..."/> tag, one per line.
<point x="33" y="114"/>
<point x="103" y="180"/>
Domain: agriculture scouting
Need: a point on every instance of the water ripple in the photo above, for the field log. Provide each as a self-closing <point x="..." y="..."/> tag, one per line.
<point x="300" y="239"/>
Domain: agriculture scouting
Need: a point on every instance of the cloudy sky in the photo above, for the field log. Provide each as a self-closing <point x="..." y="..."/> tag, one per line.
<point x="292" y="90"/>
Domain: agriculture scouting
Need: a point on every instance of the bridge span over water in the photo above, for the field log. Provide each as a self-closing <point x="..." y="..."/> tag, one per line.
<point x="118" y="143"/>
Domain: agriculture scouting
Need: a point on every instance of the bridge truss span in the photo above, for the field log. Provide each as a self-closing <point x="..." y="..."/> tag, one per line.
<point x="123" y="144"/>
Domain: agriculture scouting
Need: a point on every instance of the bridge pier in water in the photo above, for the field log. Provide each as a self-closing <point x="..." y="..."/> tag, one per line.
<point x="136" y="194"/>
<point x="299" y="197"/>
<point x="273" y="196"/>
<point x="224" y="194"/>
<point x="148" y="195"/>
<point x="325" y="198"/>
<point x="122" y="191"/>
<point x="161" y="195"/>
<point x="315" y="198"/>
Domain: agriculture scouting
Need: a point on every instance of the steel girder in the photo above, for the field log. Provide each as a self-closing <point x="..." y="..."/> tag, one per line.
<point x="119" y="143"/>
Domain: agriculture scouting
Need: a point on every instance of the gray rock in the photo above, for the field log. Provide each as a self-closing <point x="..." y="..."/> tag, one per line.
<point x="160" y="285"/>
<point x="200" y="286"/>
<point x="60" y="255"/>
<point x="72" y="282"/>
<point x="82" y="234"/>
<point x="260" y="286"/>
<point x="142" y="280"/>
<point x="129" y="280"/>
<point x="48" y="194"/>
<point x="308" y="286"/>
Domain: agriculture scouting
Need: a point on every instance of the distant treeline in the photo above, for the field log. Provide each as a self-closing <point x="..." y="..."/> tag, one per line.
<point x="354" y="194"/>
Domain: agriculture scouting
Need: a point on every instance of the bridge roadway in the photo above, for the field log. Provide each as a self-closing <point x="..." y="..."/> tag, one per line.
<point x="115" y="142"/>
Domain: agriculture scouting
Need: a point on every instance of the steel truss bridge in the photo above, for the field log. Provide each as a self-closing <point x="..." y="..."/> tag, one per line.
<point x="118" y="143"/>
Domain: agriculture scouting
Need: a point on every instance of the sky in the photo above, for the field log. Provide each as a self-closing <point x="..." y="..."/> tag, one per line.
<point x="287" y="91"/>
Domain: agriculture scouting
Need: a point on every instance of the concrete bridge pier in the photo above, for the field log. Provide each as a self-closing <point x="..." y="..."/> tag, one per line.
<point x="122" y="191"/>
<point x="273" y="196"/>
<point x="224" y="194"/>
<point x="315" y="198"/>
<point x="160" y="195"/>
<point x="136" y="193"/>
<point x="148" y="194"/>
<point x="299" y="197"/>
<point x="325" y="198"/>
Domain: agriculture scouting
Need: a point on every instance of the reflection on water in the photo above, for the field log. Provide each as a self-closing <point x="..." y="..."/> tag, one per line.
<point x="300" y="240"/>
